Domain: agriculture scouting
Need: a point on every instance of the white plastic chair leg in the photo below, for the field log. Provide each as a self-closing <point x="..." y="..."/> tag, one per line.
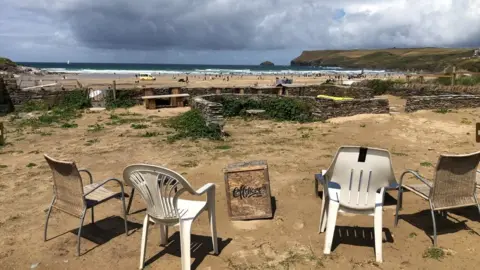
<point x="163" y="234"/>
<point x="322" y="215"/>
<point x="378" y="233"/>
<point x="185" y="234"/>
<point x="144" y="240"/>
<point x="213" y="225"/>
<point x="331" y="222"/>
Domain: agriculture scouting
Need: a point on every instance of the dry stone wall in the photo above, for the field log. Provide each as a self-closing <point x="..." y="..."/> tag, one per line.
<point x="322" y="109"/>
<point x="212" y="112"/>
<point x="416" y="103"/>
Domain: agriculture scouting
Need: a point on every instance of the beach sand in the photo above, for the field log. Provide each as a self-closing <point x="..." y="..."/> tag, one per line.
<point x="294" y="152"/>
<point x="124" y="81"/>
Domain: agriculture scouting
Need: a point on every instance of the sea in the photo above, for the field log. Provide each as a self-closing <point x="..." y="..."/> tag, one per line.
<point x="165" y="69"/>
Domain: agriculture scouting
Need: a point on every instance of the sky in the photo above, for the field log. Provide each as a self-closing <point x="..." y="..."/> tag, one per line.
<point x="226" y="31"/>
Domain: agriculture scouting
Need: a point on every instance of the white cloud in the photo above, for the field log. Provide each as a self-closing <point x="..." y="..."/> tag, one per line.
<point x="259" y="26"/>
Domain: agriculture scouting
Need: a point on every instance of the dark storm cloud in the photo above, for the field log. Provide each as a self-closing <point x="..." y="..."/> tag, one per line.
<point x="190" y="26"/>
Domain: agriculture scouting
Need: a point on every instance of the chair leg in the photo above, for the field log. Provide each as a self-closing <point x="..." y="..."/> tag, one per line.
<point x="378" y="229"/>
<point x="143" y="246"/>
<point x="322" y="214"/>
<point x="399" y="204"/>
<point x="93" y="218"/>
<point x="434" y="227"/>
<point x="130" y="200"/>
<point x="213" y="222"/>
<point x="79" y="236"/>
<point x="163" y="234"/>
<point x="185" y="231"/>
<point x="125" y="212"/>
<point x="325" y="216"/>
<point x="331" y="222"/>
<point x="46" y="222"/>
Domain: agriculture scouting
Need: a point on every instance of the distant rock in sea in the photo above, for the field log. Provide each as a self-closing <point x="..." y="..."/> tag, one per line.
<point x="267" y="63"/>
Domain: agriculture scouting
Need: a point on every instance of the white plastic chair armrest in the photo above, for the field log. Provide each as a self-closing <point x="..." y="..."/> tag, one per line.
<point x="205" y="188"/>
<point x="379" y="197"/>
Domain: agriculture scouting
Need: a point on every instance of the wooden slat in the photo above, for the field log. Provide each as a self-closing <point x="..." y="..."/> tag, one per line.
<point x="166" y="96"/>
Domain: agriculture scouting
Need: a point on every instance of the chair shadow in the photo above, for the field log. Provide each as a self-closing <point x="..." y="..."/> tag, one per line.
<point x="200" y="247"/>
<point x="358" y="236"/>
<point x="105" y="230"/>
<point x="471" y="212"/>
<point x="445" y="225"/>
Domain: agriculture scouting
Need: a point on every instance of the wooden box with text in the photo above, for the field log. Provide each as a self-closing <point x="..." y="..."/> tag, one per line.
<point x="247" y="185"/>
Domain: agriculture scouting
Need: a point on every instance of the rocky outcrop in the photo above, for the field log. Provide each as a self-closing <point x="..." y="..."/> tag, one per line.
<point x="267" y="63"/>
<point x="7" y="66"/>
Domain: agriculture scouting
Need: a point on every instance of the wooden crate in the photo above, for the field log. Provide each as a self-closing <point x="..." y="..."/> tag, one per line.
<point x="247" y="185"/>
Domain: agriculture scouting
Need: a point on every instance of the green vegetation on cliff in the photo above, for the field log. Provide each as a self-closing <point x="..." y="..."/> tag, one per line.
<point x="7" y="65"/>
<point x="426" y="59"/>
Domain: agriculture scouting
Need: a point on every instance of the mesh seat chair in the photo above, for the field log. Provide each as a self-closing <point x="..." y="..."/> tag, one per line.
<point x="478" y="179"/>
<point x="161" y="189"/>
<point x="454" y="186"/>
<point x="356" y="183"/>
<point x="72" y="197"/>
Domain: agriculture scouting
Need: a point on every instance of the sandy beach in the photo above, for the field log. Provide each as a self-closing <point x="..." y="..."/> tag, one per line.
<point x="129" y="81"/>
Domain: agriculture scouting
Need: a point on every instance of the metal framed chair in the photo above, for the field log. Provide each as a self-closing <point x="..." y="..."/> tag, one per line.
<point x="72" y="197"/>
<point x="454" y="186"/>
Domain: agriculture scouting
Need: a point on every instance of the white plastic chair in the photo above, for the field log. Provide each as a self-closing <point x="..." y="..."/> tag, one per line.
<point x="356" y="182"/>
<point x="161" y="189"/>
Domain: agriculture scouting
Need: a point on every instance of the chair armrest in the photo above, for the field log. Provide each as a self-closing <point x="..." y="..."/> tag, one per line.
<point x="417" y="175"/>
<point x="103" y="183"/>
<point x="89" y="174"/>
<point x="205" y="188"/>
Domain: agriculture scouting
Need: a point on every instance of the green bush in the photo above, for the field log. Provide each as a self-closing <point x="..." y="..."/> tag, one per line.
<point x="76" y="100"/>
<point x="192" y="125"/>
<point x="380" y="87"/>
<point x="471" y="80"/>
<point x="34" y="105"/>
<point x="444" y="80"/>
<point x="283" y="109"/>
<point x="124" y="99"/>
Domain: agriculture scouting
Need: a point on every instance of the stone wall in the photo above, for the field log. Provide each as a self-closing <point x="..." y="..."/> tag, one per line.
<point x="54" y="96"/>
<point x="330" y="90"/>
<point x="432" y="90"/>
<point x="416" y="103"/>
<point x="212" y="112"/>
<point x="7" y="84"/>
<point x="425" y="89"/>
<point x="322" y="109"/>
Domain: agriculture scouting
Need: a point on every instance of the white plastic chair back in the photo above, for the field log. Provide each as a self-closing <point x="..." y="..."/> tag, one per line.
<point x="360" y="177"/>
<point x="160" y="188"/>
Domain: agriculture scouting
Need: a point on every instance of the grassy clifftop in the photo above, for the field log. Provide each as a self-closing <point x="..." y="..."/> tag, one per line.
<point x="7" y="65"/>
<point x="427" y="59"/>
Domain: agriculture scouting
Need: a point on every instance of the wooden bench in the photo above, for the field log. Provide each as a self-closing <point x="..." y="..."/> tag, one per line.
<point x="176" y="100"/>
